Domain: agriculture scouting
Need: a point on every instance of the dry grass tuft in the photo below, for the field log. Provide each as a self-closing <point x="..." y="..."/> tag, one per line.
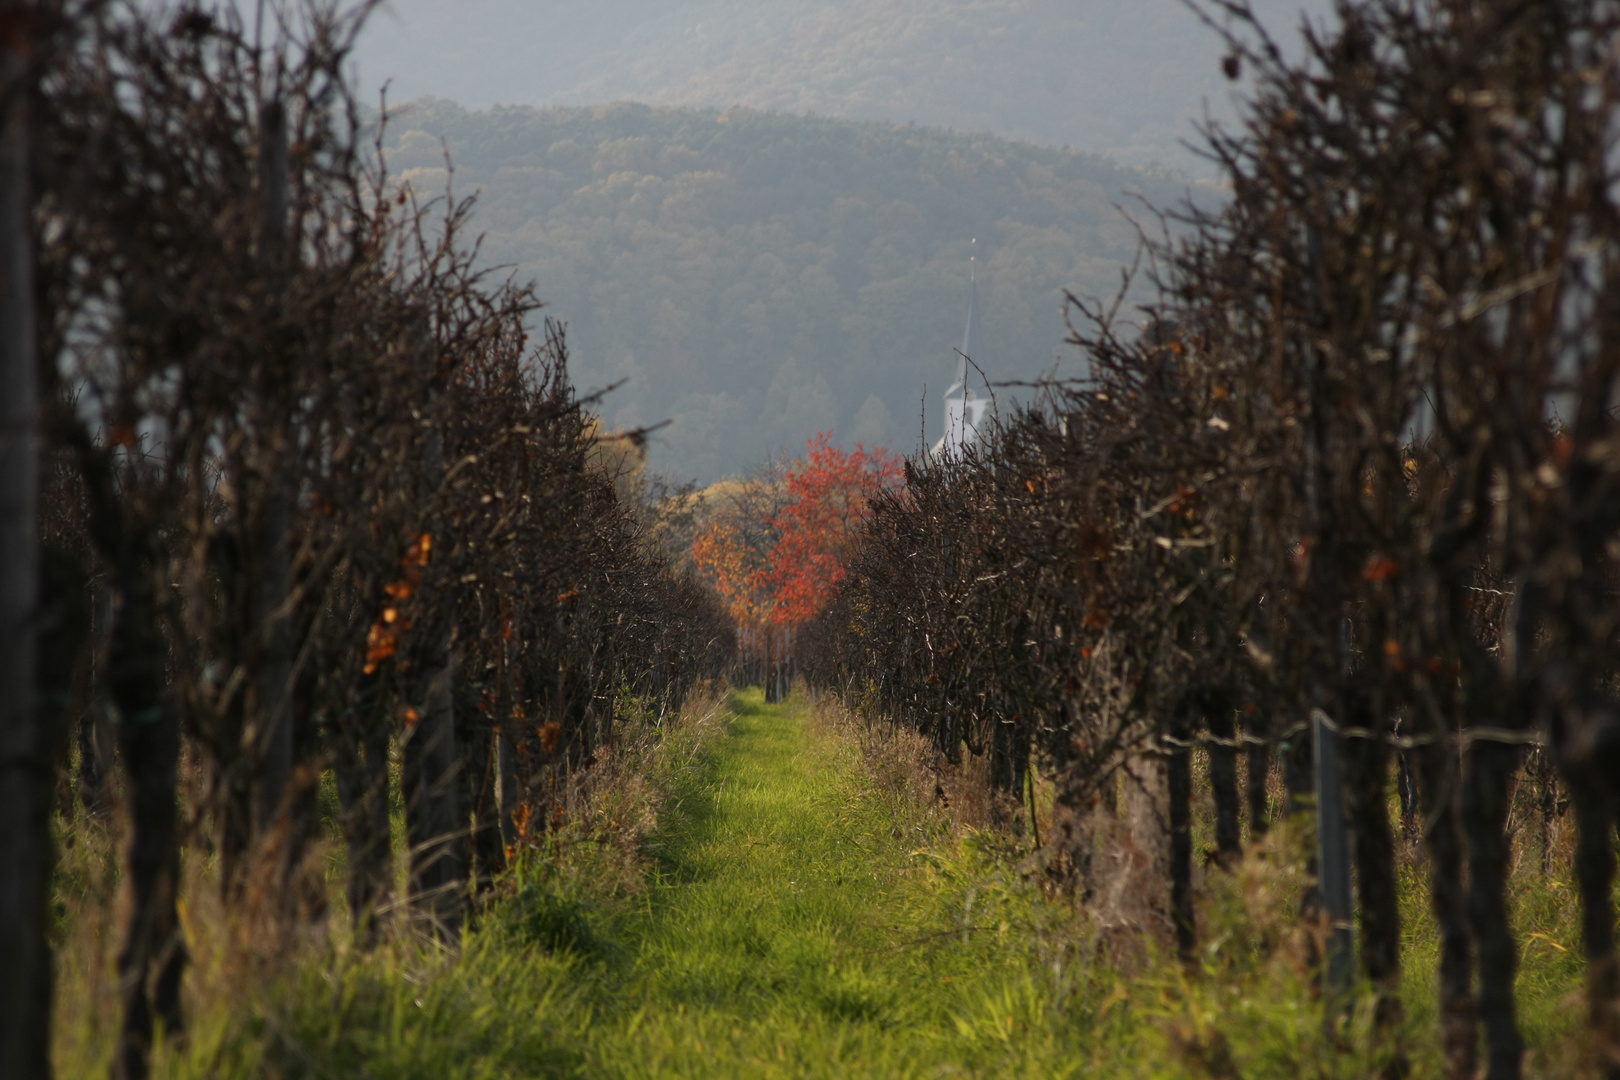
<point x="248" y="962"/>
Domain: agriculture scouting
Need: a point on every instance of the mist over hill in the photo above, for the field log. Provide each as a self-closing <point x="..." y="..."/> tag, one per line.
<point x="755" y="277"/>
<point x="1122" y="78"/>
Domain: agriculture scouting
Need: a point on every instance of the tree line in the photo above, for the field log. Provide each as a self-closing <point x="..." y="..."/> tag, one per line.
<point x="288" y="491"/>
<point x="1344" y="505"/>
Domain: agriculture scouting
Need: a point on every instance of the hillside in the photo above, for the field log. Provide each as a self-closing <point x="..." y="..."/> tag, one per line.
<point x="757" y="277"/>
<point x="1123" y="78"/>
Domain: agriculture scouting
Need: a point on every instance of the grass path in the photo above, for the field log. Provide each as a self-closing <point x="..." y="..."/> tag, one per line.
<point x="794" y="913"/>
<point x="803" y="917"/>
<point x="789" y="931"/>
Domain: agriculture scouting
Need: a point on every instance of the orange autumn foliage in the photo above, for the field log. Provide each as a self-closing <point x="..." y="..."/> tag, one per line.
<point x="734" y="568"/>
<point x="784" y="568"/>
<point x="383" y="639"/>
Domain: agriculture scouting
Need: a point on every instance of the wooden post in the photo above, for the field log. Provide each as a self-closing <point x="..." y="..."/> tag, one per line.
<point x="508" y="795"/>
<point x="25" y="769"/>
<point x="1332" y="850"/>
<point x="1178" y="790"/>
<point x="1218" y="718"/>
<point x="272" y="719"/>
<point x="1138" y="889"/>
<point x="362" y="785"/>
<point x="1259" y="758"/>
<point x="153" y="957"/>
<point x="434" y="825"/>
<point x="96" y="733"/>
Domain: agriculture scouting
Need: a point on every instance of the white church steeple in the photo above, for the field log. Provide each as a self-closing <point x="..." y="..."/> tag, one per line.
<point x="964" y="409"/>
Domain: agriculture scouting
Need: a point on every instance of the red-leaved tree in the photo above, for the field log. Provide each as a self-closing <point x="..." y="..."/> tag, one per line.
<point x="829" y="494"/>
<point x="775" y="549"/>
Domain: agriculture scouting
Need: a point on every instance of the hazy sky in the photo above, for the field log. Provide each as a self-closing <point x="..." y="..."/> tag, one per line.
<point x="1121" y="77"/>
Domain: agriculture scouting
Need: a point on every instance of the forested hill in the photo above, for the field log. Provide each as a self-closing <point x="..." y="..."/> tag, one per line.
<point x="757" y="277"/>
<point x="1123" y="78"/>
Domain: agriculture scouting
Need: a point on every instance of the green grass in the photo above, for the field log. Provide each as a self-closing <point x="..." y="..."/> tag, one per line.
<point x="766" y="894"/>
<point x="790" y="930"/>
